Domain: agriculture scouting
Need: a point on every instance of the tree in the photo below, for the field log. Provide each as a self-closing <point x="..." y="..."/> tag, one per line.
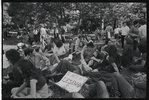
<point x="6" y="17"/>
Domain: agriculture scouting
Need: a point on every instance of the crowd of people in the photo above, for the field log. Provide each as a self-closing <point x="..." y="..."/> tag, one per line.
<point x="32" y="64"/>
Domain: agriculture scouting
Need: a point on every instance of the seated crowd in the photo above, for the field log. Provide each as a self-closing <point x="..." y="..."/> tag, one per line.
<point x="103" y="65"/>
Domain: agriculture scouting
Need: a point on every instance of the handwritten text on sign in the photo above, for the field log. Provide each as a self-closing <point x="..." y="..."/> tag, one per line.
<point x="72" y="82"/>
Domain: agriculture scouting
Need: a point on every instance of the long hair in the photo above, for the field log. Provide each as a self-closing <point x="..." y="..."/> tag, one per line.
<point x="28" y="69"/>
<point x="112" y="51"/>
<point x="13" y="55"/>
<point x="28" y="51"/>
<point x="58" y="43"/>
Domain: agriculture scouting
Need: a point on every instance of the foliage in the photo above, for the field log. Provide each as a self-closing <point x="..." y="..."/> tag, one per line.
<point x="6" y="17"/>
<point x="82" y="13"/>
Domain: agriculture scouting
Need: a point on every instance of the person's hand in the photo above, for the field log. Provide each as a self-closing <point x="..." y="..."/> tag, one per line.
<point x="107" y="58"/>
<point x="95" y="70"/>
<point x="13" y="95"/>
<point x="93" y="58"/>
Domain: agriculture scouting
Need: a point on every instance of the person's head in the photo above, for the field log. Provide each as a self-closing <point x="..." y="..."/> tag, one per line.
<point x="109" y="24"/>
<point x="28" y="51"/>
<point x="136" y="23"/>
<point x="58" y="43"/>
<point x="101" y="55"/>
<point x="112" y="50"/>
<point x="109" y="42"/>
<point x="142" y="21"/>
<point x="79" y="36"/>
<point x="142" y="47"/>
<point x="37" y="49"/>
<point x="41" y="25"/>
<point x="28" y="69"/>
<point x="90" y="44"/>
<point x="98" y="54"/>
<point x="124" y="24"/>
<point x="119" y="25"/>
<point x="13" y="56"/>
<point x="128" y="41"/>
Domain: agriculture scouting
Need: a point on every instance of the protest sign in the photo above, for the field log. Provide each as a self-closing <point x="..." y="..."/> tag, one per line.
<point x="72" y="82"/>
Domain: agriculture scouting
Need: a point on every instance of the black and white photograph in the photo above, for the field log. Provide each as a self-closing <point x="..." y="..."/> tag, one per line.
<point x="74" y="49"/>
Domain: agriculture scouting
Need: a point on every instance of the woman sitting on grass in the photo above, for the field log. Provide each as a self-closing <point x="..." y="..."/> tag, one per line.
<point x="32" y="77"/>
<point x="59" y="48"/>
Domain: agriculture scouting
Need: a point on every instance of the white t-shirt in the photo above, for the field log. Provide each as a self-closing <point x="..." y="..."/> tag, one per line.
<point x="142" y="31"/>
<point x="59" y="51"/>
<point x="116" y="31"/>
<point x="43" y="32"/>
<point x="124" y="30"/>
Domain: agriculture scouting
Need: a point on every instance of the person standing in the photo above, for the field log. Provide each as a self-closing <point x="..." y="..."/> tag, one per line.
<point x="124" y="32"/>
<point x="116" y="32"/>
<point x="96" y="32"/>
<point x="43" y="35"/>
<point x="31" y="36"/>
<point x="134" y="33"/>
<point x="142" y="29"/>
<point x="35" y="31"/>
<point x="109" y="31"/>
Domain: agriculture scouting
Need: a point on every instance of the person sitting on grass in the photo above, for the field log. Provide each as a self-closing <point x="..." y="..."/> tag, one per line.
<point x="36" y="58"/>
<point x="137" y="90"/>
<point x="140" y="67"/>
<point x="77" y="43"/>
<point x="38" y="87"/>
<point x="48" y="48"/>
<point x="59" y="48"/>
<point x="127" y="55"/>
<point x="14" y="59"/>
<point x="95" y="59"/>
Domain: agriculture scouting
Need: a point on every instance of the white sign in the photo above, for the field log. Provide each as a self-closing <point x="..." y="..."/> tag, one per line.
<point x="72" y="82"/>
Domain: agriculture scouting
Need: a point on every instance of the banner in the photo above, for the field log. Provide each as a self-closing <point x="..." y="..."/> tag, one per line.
<point x="72" y="82"/>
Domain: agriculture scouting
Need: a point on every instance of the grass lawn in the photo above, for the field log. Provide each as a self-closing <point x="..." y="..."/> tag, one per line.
<point x="13" y="40"/>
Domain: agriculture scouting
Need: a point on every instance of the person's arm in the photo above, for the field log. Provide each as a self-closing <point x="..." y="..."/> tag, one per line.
<point x="112" y="63"/>
<point x="32" y="89"/>
<point x="17" y="76"/>
<point x="55" y="50"/>
<point x="111" y="30"/>
<point x="47" y="62"/>
<point x="82" y="57"/>
<point x="95" y="59"/>
<point x="64" y="50"/>
<point x="20" y="89"/>
<point x="115" y="67"/>
<point x="83" y="62"/>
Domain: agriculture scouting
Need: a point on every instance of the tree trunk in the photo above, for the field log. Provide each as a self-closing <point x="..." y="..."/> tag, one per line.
<point x="114" y="26"/>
